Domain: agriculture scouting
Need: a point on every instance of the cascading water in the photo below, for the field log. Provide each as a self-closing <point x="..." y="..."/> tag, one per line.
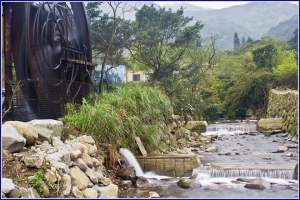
<point x="225" y="182"/>
<point x="230" y="128"/>
<point x="131" y="161"/>
<point x="278" y="174"/>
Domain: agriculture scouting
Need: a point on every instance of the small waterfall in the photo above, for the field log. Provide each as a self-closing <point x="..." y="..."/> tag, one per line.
<point x="131" y="161"/>
<point x="230" y="128"/>
<point x="280" y="174"/>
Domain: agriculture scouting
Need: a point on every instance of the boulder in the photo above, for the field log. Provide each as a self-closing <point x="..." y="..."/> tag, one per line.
<point x="258" y="183"/>
<point x="91" y="149"/>
<point x="90" y="193"/>
<point x="33" y="161"/>
<point x="81" y="164"/>
<point x="87" y="159"/>
<point x="50" y="176"/>
<point x="46" y="191"/>
<point x="14" y="193"/>
<point x="97" y="188"/>
<point x="188" y="183"/>
<point x="86" y="139"/>
<point x="47" y="128"/>
<point x="26" y="130"/>
<point x="269" y="124"/>
<point x="7" y="185"/>
<point x="211" y="149"/>
<point x="32" y="193"/>
<point x="127" y="173"/>
<point x="196" y="126"/>
<point x="74" y="154"/>
<point x="96" y="162"/>
<point x="110" y="191"/>
<point x="150" y="194"/>
<point x="61" y="166"/>
<point x="90" y="173"/>
<point x="58" y="144"/>
<point x="105" y="181"/>
<point x="66" y="184"/>
<point x="24" y="192"/>
<point x="79" y="179"/>
<point x="76" y="192"/>
<point x="80" y="146"/>
<point x="12" y="140"/>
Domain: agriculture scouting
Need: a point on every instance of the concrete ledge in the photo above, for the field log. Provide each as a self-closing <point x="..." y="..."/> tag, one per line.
<point x="169" y="164"/>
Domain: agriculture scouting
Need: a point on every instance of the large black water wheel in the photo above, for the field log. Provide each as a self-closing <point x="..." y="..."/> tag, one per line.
<point x="52" y="54"/>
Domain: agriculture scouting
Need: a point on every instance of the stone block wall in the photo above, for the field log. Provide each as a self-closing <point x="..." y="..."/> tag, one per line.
<point x="284" y="104"/>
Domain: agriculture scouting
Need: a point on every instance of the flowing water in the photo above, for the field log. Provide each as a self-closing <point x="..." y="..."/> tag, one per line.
<point x="240" y="155"/>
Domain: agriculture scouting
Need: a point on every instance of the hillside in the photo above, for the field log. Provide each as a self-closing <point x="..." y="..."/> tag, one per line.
<point x="249" y="20"/>
<point x="284" y="30"/>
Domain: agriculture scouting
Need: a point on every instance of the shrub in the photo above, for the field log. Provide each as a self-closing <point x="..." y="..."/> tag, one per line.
<point x="131" y="110"/>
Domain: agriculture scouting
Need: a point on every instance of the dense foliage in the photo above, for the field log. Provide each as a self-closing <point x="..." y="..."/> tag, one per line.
<point x="190" y="75"/>
<point x="131" y="110"/>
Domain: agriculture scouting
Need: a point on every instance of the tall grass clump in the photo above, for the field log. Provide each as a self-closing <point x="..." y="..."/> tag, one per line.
<point x="131" y="110"/>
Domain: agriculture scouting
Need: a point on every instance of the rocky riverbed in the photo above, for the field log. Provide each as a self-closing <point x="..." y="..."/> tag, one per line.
<point x="74" y="166"/>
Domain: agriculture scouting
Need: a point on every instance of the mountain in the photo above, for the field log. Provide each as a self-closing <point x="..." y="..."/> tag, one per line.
<point x="249" y="20"/>
<point x="186" y="6"/>
<point x="284" y="30"/>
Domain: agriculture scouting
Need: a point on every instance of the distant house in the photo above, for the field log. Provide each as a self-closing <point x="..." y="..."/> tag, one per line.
<point x="138" y="76"/>
<point x="119" y="74"/>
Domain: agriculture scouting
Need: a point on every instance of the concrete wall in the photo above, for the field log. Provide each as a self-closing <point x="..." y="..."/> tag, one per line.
<point x="284" y="104"/>
<point x="169" y="165"/>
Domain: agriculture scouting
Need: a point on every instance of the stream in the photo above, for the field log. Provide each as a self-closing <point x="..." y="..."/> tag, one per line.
<point x="242" y="152"/>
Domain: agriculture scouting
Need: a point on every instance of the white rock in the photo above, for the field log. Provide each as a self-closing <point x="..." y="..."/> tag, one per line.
<point x="79" y="179"/>
<point x="55" y="126"/>
<point x="211" y="149"/>
<point x="26" y="130"/>
<point x="109" y="191"/>
<point x="61" y="166"/>
<point x="90" y="173"/>
<point x="86" y="139"/>
<point x="50" y="176"/>
<point x="66" y="184"/>
<point x="76" y="192"/>
<point x="7" y="185"/>
<point x="32" y="193"/>
<point x="89" y="193"/>
<point x="58" y="144"/>
<point x="75" y="154"/>
<point x="24" y="192"/>
<point x="12" y="140"/>
<point x="96" y="162"/>
<point x="33" y="161"/>
<point x="79" y="146"/>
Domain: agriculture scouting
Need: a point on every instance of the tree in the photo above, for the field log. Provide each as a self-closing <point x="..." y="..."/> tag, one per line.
<point x="294" y="41"/>
<point x="236" y="40"/>
<point x="160" y="38"/>
<point x="243" y="40"/>
<point x="265" y="56"/>
<point x="249" y="39"/>
<point x="109" y="35"/>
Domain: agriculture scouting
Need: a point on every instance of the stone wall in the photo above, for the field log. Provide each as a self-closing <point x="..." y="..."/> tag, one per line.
<point x="284" y="104"/>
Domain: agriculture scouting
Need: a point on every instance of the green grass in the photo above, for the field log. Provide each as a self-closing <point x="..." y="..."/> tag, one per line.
<point x="131" y="110"/>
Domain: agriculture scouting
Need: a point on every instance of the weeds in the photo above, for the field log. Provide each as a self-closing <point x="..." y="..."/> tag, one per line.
<point x="131" y="110"/>
<point x="37" y="182"/>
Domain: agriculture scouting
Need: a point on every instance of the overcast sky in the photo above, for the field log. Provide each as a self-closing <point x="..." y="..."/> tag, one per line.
<point x="213" y="4"/>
